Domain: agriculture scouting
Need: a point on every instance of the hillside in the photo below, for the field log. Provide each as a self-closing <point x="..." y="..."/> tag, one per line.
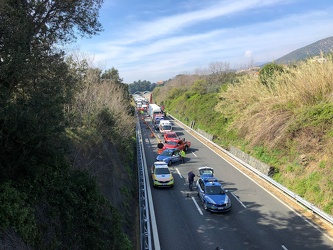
<point x="287" y="125"/>
<point x="314" y="49"/>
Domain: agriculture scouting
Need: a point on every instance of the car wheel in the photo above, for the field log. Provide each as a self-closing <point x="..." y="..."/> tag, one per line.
<point x="205" y="206"/>
<point x="186" y="148"/>
<point x="169" y="163"/>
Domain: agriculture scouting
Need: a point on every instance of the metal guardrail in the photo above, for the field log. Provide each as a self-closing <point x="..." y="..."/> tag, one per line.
<point x="148" y="228"/>
<point x="299" y="199"/>
<point x="145" y="236"/>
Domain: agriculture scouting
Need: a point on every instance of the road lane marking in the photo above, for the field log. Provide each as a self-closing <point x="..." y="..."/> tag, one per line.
<point x="180" y="175"/>
<point x="196" y="204"/>
<point x="237" y="199"/>
<point x="194" y="154"/>
<point x="284" y="247"/>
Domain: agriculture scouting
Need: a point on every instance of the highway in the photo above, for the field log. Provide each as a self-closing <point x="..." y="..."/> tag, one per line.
<point x="257" y="219"/>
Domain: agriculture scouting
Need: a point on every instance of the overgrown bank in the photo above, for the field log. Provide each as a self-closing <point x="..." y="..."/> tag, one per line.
<point x="283" y="118"/>
<point x="80" y="195"/>
<point x="67" y="165"/>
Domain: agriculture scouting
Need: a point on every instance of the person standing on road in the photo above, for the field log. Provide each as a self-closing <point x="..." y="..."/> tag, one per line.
<point x="191" y="176"/>
<point x="182" y="156"/>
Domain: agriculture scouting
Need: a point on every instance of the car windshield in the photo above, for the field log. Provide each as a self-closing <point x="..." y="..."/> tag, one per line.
<point x="213" y="190"/>
<point x="162" y="171"/>
<point x="206" y="172"/>
<point x="166" y="127"/>
<point x="166" y="153"/>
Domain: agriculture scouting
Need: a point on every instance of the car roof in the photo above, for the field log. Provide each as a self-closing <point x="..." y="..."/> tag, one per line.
<point x="171" y="149"/>
<point x="211" y="181"/>
<point x="160" y="164"/>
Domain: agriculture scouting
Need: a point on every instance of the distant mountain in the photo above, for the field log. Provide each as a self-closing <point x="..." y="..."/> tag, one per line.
<point x="314" y="49"/>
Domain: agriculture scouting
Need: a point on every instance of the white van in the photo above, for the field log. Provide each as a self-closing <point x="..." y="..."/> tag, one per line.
<point x="165" y="126"/>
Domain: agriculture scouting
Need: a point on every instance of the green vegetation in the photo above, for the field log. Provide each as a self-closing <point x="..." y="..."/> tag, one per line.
<point x="283" y="118"/>
<point x="141" y="86"/>
<point x="268" y="74"/>
<point x="66" y="132"/>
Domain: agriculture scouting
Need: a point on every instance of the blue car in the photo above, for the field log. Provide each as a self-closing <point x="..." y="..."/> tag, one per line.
<point x="212" y="195"/>
<point x="206" y="172"/>
<point x="169" y="156"/>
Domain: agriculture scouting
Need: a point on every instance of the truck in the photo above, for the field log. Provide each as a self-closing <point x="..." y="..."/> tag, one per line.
<point x="154" y="109"/>
<point x="158" y="117"/>
<point x="156" y="120"/>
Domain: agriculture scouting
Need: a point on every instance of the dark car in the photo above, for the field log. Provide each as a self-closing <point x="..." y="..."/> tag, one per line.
<point x="169" y="156"/>
<point x="156" y="125"/>
<point x="212" y="195"/>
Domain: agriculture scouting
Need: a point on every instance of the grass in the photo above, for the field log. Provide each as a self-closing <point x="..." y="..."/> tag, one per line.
<point x="287" y="124"/>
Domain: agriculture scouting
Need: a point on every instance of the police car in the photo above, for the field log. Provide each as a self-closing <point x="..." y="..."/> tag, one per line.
<point x="161" y="175"/>
<point x="212" y="194"/>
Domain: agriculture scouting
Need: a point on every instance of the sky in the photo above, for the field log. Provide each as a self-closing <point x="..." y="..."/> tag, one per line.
<point x="156" y="40"/>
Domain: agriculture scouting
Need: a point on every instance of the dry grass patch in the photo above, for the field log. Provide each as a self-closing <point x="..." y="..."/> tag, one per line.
<point x="294" y="116"/>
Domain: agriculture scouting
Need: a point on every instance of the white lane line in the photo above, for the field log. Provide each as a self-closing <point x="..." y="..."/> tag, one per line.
<point x="196" y="204"/>
<point x="284" y="247"/>
<point x="194" y="154"/>
<point x="180" y="175"/>
<point x="237" y="199"/>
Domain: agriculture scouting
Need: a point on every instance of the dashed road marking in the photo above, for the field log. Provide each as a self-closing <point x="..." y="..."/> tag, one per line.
<point x="237" y="199"/>
<point x="196" y="204"/>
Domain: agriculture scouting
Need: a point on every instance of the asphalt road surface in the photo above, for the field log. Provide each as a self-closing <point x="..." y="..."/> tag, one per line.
<point x="257" y="219"/>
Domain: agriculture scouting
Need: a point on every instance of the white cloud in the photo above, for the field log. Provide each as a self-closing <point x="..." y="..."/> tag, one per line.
<point x="165" y="47"/>
<point x="248" y="53"/>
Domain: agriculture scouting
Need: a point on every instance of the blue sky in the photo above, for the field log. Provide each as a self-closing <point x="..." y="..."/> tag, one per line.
<point x="156" y="40"/>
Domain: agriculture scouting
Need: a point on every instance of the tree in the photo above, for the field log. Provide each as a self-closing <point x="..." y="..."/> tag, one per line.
<point x="29" y="29"/>
<point x="217" y="74"/>
<point x="141" y="86"/>
<point x="269" y="72"/>
<point x="35" y="83"/>
<point x="112" y="74"/>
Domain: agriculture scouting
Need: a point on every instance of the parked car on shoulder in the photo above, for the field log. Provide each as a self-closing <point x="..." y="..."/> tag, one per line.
<point x="161" y="175"/>
<point x="212" y="194"/>
<point x="169" y="156"/>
